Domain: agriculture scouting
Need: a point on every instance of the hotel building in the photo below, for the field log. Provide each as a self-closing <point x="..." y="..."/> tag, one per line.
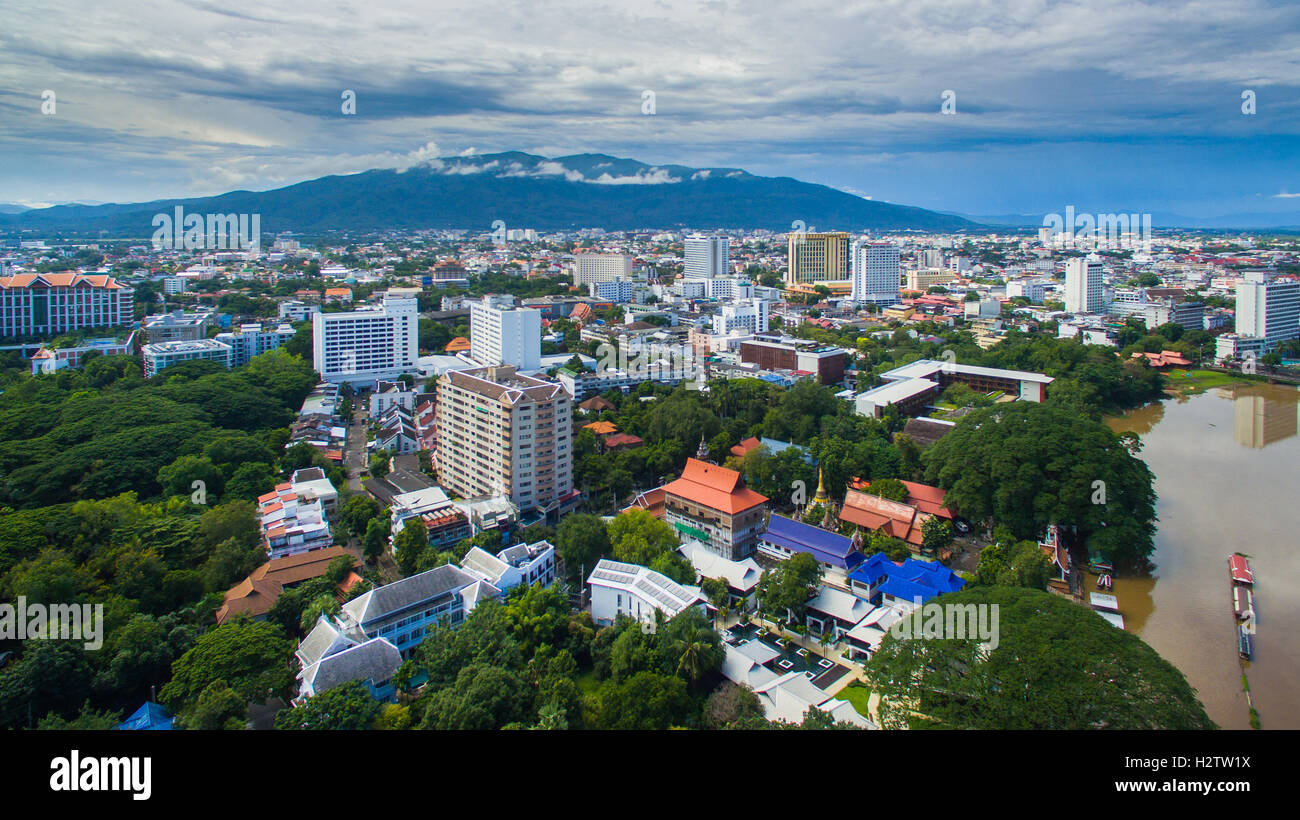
<point x="361" y="346"/>
<point x="818" y="257"/>
<point x="600" y="267"/>
<point x="511" y="336"/>
<point x="47" y="304"/>
<point x="706" y="256"/>
<point x="876" y="273"/>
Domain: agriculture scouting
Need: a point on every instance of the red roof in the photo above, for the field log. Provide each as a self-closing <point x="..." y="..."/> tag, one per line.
<point x="1240" y="569"/>
<point x="714" y="487"/>
<point x="743" y="448"/>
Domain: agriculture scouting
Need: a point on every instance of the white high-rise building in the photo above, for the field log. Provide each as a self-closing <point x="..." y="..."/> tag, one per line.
<point x="1083" y="291"/>
<point x="1268" y="308"/>
<point x="601" y="267"/>
<point x="706" y="256"/>
<point x="511" y="336"/>
<point x="876" y="273"/>
<point x="750" y="316"/>
<point x="360" y="346"/>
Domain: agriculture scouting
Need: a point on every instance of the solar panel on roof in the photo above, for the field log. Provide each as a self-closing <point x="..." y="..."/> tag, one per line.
<point x="617" y="578"/>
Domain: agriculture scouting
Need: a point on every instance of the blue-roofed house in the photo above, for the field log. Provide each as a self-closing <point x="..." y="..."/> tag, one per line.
<point x="784" y="537"/>
<point x="899" y="586"/>
<point x="149" y="717"/>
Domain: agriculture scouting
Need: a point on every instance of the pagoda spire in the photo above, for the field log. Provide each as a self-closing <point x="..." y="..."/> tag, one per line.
<point x="702" y="453"/>
<point x="822" y="497"/>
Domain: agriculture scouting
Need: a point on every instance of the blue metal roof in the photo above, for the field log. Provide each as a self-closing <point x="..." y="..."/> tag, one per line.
<point x="826" y="547"/>
<point x="914" y="579"/>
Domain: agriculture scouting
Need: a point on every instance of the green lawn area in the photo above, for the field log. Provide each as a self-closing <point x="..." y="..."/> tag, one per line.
<point x="856" y="694"/>
<point x="1196" y="380"/>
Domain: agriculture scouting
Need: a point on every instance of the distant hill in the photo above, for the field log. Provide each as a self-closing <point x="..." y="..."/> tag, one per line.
<point x="1288" y="221"/>
<point x="523" y="191"/>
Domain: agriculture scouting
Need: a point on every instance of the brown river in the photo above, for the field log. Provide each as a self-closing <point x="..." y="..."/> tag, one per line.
<point x="1226" y="464"/>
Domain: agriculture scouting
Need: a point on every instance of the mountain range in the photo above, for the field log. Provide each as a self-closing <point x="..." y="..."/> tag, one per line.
<point x="523" y="191"/>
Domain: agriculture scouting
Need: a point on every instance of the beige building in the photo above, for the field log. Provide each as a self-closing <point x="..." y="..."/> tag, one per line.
<point x="818" y="257"/>
<point x="601" y="267"/>
<point x="500" y="433"/>
<point x="924" y="278"/>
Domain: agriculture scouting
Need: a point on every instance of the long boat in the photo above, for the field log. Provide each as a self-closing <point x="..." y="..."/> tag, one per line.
<point x="1243" y="602"/>
<point x="1244" y="646"/>
<point x="1239" y="569"/>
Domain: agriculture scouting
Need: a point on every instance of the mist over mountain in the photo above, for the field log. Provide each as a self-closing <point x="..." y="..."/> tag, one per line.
<point x="523" y="191"/>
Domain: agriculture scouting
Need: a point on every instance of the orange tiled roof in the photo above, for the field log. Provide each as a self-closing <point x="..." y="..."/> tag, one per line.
<point x="601" y="428"/>
<point x="458" y="344"/>
<point x="873" y="512"/>
<point x="715" y="487"/>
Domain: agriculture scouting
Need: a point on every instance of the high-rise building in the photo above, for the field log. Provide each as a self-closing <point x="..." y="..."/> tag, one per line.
<point x="360" y="346"/>
<point x="47" y="304"/>
<point x="600" y="267"/>
<point x="159" y="356"/>
<point x="1268" y="308"/>
<point x="818" y="257"/>
<point x="876" y="273"/>
<point x="706" y="256"/>
<point x="500" y="433"/>
<point x="1083" y="291"/>
<point x="511" y="336"/>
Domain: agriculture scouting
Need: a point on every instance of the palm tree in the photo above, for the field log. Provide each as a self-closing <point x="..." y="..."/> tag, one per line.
<point x="691" y="655"/>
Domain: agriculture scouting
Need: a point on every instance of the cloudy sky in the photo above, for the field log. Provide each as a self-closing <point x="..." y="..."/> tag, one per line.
<point x="1107" y="105"/>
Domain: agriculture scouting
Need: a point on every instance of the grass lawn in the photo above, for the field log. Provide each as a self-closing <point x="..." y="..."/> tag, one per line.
<point x="1189" y="381"/>
<point x="856" y="694"/>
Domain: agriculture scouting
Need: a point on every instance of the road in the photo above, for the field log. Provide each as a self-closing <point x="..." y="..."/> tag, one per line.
<point x="355" y="456"/>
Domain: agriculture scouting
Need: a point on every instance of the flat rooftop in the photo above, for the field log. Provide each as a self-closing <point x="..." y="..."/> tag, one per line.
<point x="926" y="368"/>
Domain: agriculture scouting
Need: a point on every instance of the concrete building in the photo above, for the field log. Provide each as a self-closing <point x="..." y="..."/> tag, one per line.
<point x="253" y="339"/>
<point x="600" y="267"/>
<point x="876" y="273"/>
<point x="618" y="291"/>
<point x="179" y="326"/>
<point x="1083" y="285"/>
<point x="160" y="356"/>
<point x="817" y="257"/>
<point x="1268" y="308"/>
<point x="747" y="316"/>
<point x="47" y="304"/>
<point x="914" y="386"/>
<point x="365" y="345"/>
<point x="1190" y="315"/>
<point x="294" y="310"/>
<point x="707" y="257"/>
<point x="505" y="336"/>
<point x="500" y="433"/>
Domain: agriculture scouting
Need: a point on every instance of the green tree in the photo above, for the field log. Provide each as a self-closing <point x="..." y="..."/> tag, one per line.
<point x="348" y="707"/>
<point x="581" y="541"/>
<point x="785" y="591"/>
<point x="252" y="656"/>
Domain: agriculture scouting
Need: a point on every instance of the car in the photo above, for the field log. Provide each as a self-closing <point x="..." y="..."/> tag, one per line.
<point x="961" y="525"/>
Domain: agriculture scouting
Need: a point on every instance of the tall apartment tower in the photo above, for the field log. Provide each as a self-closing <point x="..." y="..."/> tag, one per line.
<point x="500" y="433"/>
<point x="367" y="344"/>
<point x="1083" y="292"/>
<point x="1268" y="308"/>
<point x="601" y="267"/>
<point x="707" y="257"/>
<point x="818" y="257"/>
<point x="877" y="273"/>
<point x="512" y="336"/>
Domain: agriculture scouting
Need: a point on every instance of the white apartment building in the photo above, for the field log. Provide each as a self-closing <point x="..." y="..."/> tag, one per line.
<point x="706" y="257"/>
<point x="162" y="355"/>
<point x="253" y="340"/>
<point x="500" y="433"/>
<point x="1268" y="308"/>
<point x="505" y="336"/>
<point x="1035" y="292"/>
<point x="876" y="273"/>
<point x="600" y="267"/>
<point x="618" y="291"/>
<point x="364" y="345"/>
<point x="297" y="311"/>
<point x="750" y="315"/>
<point x="1083" y="285"/>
